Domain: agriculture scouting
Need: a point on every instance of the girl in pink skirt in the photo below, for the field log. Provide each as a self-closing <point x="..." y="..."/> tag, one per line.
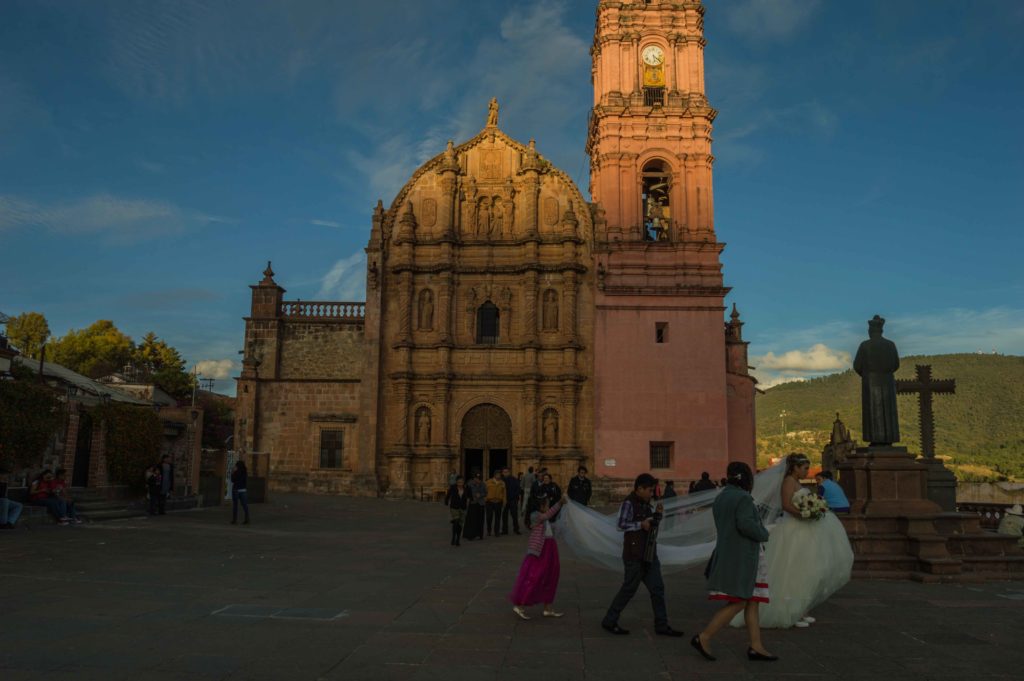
<point x="538" y="575"/>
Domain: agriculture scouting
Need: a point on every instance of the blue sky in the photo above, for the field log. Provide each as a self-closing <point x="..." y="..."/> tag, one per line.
<point x="154" y="156"/>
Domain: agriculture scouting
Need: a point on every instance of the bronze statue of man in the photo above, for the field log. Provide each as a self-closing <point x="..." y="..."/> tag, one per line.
<point x="876" y="363"/>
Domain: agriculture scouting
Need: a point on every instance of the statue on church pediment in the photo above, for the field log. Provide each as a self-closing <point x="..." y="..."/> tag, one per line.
<point x="492" y="112"/>
<point x="483" y="218"/>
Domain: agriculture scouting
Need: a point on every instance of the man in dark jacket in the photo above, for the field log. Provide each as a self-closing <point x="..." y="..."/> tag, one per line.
<point x="638" y="522"/>
<point x="579" y="487"/>
<point x="512" y="494"/>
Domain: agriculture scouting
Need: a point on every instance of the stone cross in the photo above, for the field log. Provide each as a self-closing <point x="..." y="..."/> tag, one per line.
<point x="925" y="387"/>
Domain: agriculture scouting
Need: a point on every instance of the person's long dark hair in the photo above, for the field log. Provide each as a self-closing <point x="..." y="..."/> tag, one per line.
<point x="240" y="466"/>
<point x="794" y="461"/>
<point x="533" y="504"/>
<point x="739" y="475"/>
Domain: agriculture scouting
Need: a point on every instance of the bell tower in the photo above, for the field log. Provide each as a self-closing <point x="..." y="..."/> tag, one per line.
<point x="670" y="398"/>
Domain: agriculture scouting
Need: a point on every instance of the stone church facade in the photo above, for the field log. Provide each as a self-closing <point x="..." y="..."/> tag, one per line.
<point x="509" y="322"/>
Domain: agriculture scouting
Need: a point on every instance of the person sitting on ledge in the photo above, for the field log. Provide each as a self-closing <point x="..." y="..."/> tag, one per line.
<point x="832" y="493"/>
<point x="40" y="494"/>
<point x="10" y="510"/>
<point x="62" y="491"/>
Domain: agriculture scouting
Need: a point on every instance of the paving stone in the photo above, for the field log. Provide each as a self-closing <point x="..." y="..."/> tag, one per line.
<point x="137" y="603"/>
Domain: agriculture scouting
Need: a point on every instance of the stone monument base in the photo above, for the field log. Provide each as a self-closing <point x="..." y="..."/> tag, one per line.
<point x="898" y="532"/>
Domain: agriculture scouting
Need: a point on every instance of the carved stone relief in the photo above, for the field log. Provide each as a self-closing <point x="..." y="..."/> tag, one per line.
<point x="550" y="213"/>
<point x="429" y="211"/>
<point x="425" y="313"/>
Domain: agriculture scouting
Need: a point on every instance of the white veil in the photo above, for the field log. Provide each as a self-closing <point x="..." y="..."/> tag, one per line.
<point x="686" y="536"/>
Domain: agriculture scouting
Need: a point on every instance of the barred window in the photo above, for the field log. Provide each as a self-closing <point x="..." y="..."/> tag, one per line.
<point x="330" y="448"/>
<point x="661" y="455"/>
<point x="661" y="332"/>
<point x="654" y="96"/>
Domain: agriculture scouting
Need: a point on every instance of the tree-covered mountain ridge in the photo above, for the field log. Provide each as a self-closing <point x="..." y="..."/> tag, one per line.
<point x="979" y="430"/>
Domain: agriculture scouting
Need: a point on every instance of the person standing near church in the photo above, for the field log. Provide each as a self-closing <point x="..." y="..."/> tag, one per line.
<point x="580" y="488"/>
<point x="737" y="572"/>
<point x="538" y="576"/>
<point x="495" y="503"/>
<point x="527" y="487"/>
<point x="474" y="528"/>
<point x="457" y="500"/>
<point x="166" y="483"/>
<point x="511" y="509"/>
<point x="239" y="493"/>
<point x="637" y="520"/>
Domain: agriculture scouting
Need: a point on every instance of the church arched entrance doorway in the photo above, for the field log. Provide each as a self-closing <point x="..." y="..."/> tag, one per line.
<point x="486" y="440"/>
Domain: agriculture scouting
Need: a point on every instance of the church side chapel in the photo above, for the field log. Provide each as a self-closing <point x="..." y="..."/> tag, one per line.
<point x="510" y="322"/>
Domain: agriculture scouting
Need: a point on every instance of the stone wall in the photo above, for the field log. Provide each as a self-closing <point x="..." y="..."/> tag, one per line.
<point x="292" y="416"/>
<point x="321" y="350"/>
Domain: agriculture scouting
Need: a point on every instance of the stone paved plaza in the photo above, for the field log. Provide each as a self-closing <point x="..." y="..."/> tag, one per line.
<point x="340" y="588"/>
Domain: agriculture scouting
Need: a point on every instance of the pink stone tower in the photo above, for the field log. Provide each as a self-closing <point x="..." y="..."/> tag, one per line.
<point x="673" y="390"/>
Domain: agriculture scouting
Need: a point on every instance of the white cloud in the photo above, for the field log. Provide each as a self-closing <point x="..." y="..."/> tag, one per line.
<point x="346" y="280"/>
<point x="819" y="357"/>
<point x="121" y="218"/>
<point x="325" y="223"/>
<point x="766" y="381"/>
<point x="770" y="19"/>
<point x="215" y="368"/>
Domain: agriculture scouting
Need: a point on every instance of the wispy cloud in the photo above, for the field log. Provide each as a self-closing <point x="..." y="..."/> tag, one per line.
<point x="346" y="280"/>
<point x="326" y="223"/>
<point x="532" y="56"/>
<point x="215" y="368"/>
<point x="798" y="365"/>
<point x="119" y="219"/>
<point x="770" y="19"/>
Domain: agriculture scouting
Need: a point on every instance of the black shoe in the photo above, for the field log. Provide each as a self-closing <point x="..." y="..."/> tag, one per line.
<point x="668" y="631"/>
<point x="246" y="522"/>
<point x="234" y="522"/>
<point x="754" y="655"/>
<point x="695" y="642"/>
<point x="518" y="532"/>
<point x="614" y="629"/>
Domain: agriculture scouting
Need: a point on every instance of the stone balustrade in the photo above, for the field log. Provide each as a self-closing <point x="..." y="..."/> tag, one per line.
<point x="991" y="513"/>
<point x="323" y="310"/>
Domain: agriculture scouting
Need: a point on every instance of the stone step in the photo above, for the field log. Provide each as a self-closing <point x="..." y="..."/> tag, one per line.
<point x="113" y="514"/>
<point x="984" y="544"/>
<point x="1006" y="567"/>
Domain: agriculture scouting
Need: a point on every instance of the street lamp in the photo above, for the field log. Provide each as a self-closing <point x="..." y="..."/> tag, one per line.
<point x="782" y="415"/>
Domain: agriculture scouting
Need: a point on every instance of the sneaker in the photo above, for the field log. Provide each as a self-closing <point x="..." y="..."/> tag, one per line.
<point x="808" y="619"/>
<point x="552" y="613"/>
<point x="800" y="624"/>
<point x="63" y="521"/>
<point x="76" y="521"/>
<point x="519" y="611"/>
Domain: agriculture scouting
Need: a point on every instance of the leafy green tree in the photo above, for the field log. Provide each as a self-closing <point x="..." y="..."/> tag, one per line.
<point x="159" y="362"/>
<point x="95" y="351"/>
<point x="28" y="332"/>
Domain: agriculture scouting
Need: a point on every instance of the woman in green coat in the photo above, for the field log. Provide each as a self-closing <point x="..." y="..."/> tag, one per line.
<point x="736" y="571"/>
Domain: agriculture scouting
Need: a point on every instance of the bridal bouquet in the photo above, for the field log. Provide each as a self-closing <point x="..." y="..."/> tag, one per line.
<point x="812" y="507"/>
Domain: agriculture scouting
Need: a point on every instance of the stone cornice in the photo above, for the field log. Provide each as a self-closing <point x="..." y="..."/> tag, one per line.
<point x="692" y="245"/>
<point x="519" y="268"/>
<point x="487" y="378"/>
<point x="690" y="291"/>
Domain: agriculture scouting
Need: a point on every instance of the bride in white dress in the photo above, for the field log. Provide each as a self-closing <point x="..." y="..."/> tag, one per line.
<point x="808" y="560"/>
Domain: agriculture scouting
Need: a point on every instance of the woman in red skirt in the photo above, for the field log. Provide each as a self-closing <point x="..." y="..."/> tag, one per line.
<point x="538" y="575"/>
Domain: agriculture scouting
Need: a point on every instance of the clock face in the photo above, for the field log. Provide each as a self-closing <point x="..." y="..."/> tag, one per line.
<point x="653" y="55"/>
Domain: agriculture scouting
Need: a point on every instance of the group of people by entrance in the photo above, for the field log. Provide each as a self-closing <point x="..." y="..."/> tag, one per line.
<point x="496" y="504"/>
<point x="764" y="575"/>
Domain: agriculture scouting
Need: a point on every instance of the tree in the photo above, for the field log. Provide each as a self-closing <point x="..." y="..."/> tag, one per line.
<point x="157" y="361"/>
<point x="96" y="351"/>
<point x="28" y="332"/>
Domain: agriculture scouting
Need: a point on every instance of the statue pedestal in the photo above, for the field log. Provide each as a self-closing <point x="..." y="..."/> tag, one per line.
<point x="941" y="484"/>
<point x="885" y="480"/>
<point x="899" y="529"/>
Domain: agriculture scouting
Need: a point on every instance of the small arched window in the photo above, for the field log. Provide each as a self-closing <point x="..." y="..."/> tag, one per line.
<point x="656" y="178"/>
<point x="487" y="323"/>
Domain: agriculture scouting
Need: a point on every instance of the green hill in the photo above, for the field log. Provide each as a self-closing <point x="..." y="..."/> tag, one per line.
<point x="978" y="430"/>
